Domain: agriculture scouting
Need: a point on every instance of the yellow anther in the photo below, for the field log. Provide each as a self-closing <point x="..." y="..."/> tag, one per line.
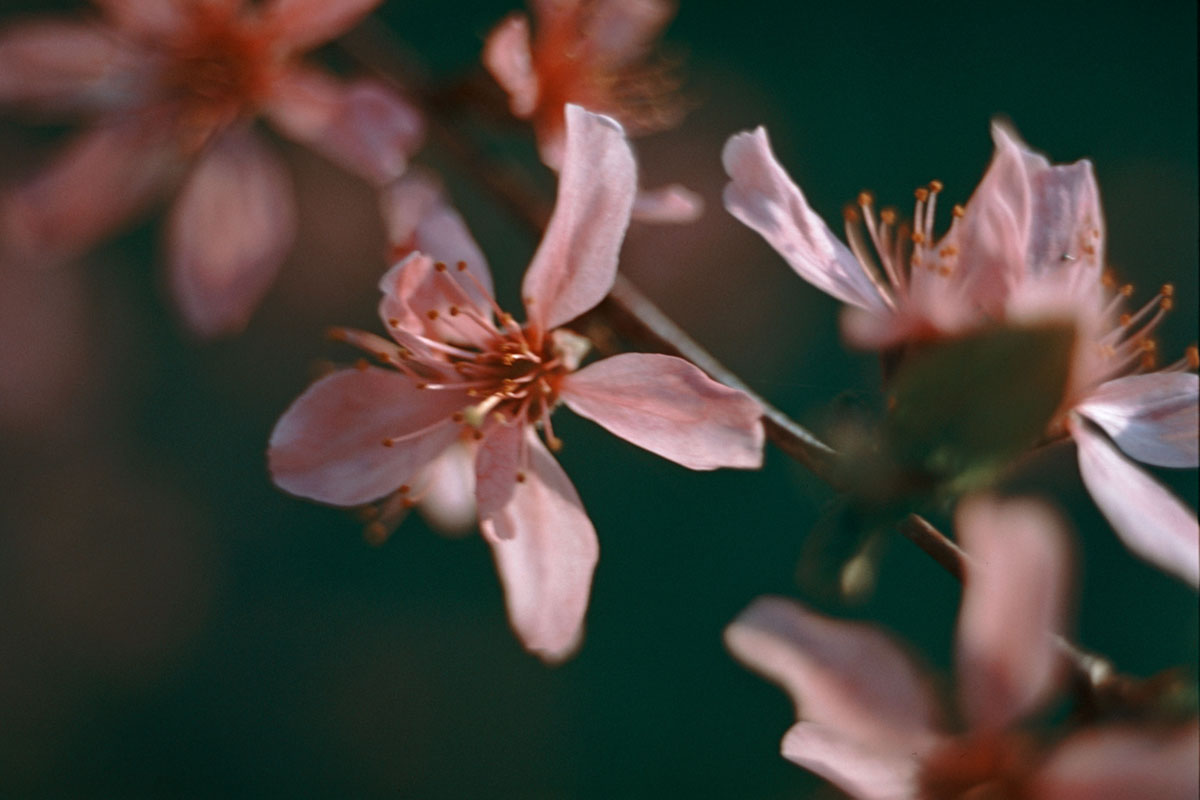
<point x="922" y="194"/>
<point x="1126" y="319"/>
<point x="1168" y="290"/>
<point x="935" y="186"/>
<point x="850" y="214"/>
<point x="888" y="215"/>
<point x="1127" y="290"/>
<point x="918" y="237"/>
<point x="865" y="199"/>
<point x="959" y="211"/>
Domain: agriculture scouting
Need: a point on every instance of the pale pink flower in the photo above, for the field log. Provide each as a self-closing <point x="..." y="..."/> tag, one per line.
<point x="461" y="366"/>
<point x="1028" y="246"/>
<point x="869" y="720"/>
<point x="174" y="86"/>
<point x="598" y="54"/>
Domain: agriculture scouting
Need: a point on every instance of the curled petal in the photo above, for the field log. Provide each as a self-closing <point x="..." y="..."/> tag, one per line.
<point x="418" y="300"/>
<point x="1153" y="417"/>
<point x="229" y="231"/>
<point x="419" y="216"/>
<point x="765" y="199"/>
<point x="62" y="66"/>
<point x="1148" y="518"/>
<point x="363" y="126"/>
<point x="507" y="56"/>
<point x="576" y="263"/>
<point x="1117" y="763"/>
<point x="329" y="444"/>
<point x="545" y="550"/>
<point x="669" y="407"/>
<point x="1013" y="605"/>
<point x="668" y="205"/>
<point x="860" y="771"/>
<point x="303" y="24"/>
<point x="848" y="677"/>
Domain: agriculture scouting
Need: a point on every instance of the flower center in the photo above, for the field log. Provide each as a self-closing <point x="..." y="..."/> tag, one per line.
<point x="990" y="767"/>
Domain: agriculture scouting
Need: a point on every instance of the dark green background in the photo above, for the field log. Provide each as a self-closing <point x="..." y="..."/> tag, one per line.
<point x="171" y="625"/>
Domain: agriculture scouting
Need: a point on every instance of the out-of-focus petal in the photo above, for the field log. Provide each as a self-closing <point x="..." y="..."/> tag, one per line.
<point x="105" y="177"/>
<point x="229" y="231"/>
<point x="63" y="66"/>
<point x="303" y="24"/>
<point x="145" y="19"/>
<point x="418" y="216"/>
<point x="669" y="407"/>
<point x="765" y="199"/>
<point x="847" y="676"/>
<point x="1118" y="763"/>
<point x="668" y="205"/>
<point x="545" y="550"/>
<point x="622" y="30"/>
<point x="363" y="126"/>
<point x="1066" y="226"/>
<point x="507" y="56"/>
<point x="1013" y="605"/>
<point x="576" y="263"/>
<point x="1153" y="417"/>
<point x="861" y="771"/>
<point x="448" y="487"/>
<point x="1151" y="521"/>
<point x="328" y="445"/>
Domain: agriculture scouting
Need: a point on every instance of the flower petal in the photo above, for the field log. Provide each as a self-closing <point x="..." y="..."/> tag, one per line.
<point x="303" y="24"/>
<point x="1013" y="605"/>
<point x="1148" y="518"/>
<point x="448" y="487"/>
<point x="1153" y="417"/>
<point x="507" y="56"/>
<point x="576" y="263"/>
<point x="765" y="199"/>
<point x="147" y="19"/>
<point x="669" y="407"/>
<point x="621" y="31"/>
<point x="417" y="301"/>
<point x="63" y="66"/>
<point x="1116" y="763"/>
<point x="668" y="205"/>
<point x="363" y="126"/>
<point x="847" y="676"/>
<point x="229" y="231"/>
<point x="546" y="550"/>
<point x="106" y="176"/>
<point x="328" y="445"/>
<point x="861" y="772"/>
<point x="497" y="466"/>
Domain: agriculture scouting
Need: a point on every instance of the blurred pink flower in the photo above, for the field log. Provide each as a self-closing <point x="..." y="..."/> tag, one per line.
<point x="460" y="365"/>
<point x="598" y="54"/>
<point x="868" y="717"/>
<point x="1028" y="246"/>
<point x="174" y="86"/>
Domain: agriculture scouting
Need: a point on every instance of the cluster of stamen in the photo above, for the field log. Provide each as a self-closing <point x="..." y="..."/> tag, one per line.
<point x="1127" y="346"/>
<point x="987" y="767"/>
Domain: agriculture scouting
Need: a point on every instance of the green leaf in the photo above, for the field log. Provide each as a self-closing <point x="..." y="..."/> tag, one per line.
<point x="960" y="410"/>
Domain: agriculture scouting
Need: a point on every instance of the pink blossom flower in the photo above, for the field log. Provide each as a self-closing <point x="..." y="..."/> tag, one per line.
<point x="459" y="366"/>
<point x="1028" y="246"/>
<point x="174" y="86"/>
<point x="597" y="54"/>
<point x="868" y="717"/>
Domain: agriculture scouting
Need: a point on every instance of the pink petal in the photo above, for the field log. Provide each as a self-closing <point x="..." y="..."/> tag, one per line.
<point x="229" y="231"/>
<point x="1013" y="605"/>
<point x="303" y="24"/>
<point x="497" y="465"/>
<point x="668" y="205"/>
<point x="622" y="30"/>
<point x="862" y="772"/>
<point x="148" y="19"/>
<point x="328" y="445"/>
<point x="415" y="287"/>
<point x="63" y="66"/>
<point x="765" y="199"/>
<point x="669" y="407"/>
<point x="1148" y="518"/>
<point x="448" y="487"/>
<point x="363" y="126"/>
<point x="507" y="56"/>
<point x="576" y="263"/>
<point x="545" y="550"/>
<point x="847" y="676"/>
<point x="1066" y="227"/>
<point x="419" y="216"/>
<point x="105" y="177"/>
<point x="1117" y="763"/>
<point x="1153" y="417"/>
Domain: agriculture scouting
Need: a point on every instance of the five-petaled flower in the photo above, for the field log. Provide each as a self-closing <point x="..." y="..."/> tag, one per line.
<point x="1028" y="246"/>
<point x="868" y="718"/>
<point x="175" y="85"/>
<point x="460" y="366"/>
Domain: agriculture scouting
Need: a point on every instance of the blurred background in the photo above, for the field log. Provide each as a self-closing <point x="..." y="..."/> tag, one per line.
<point x="173" y="626"/>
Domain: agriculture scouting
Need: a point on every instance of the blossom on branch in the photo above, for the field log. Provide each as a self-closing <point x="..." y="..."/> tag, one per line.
<point x="174" y="87"/>
<point x="869" y="720"/>
<point x="460" y="368"/>
<point x="1027" y="248"/>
